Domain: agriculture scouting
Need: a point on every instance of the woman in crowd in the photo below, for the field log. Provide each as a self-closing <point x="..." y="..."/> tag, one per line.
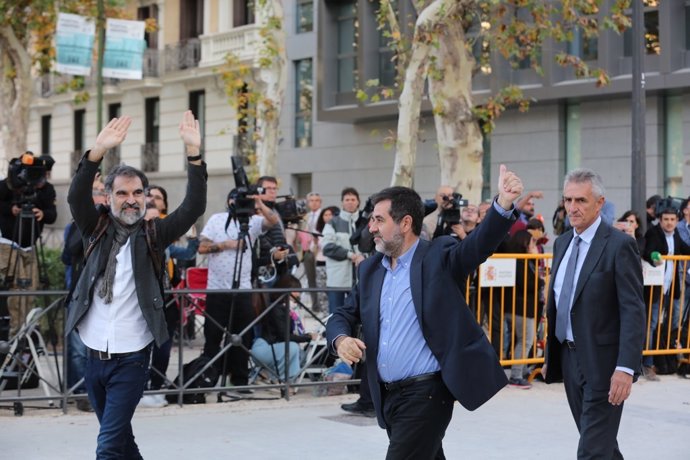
<point x="269" y="346"/>
<point x="527" y="299"/>
<point x="325" y="217"/>
<point x="629" y="223"/>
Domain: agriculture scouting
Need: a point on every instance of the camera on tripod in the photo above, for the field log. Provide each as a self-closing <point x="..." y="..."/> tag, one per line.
<point x="451" y="212"/>
<point x="243" y="209"/>
<point x="28" y="171"/>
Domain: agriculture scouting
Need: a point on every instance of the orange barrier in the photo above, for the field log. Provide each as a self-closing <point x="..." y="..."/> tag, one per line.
<point x="493" y="305"/>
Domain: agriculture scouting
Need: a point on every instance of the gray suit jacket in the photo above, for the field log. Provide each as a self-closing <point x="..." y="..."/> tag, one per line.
<point x="608" y="312"/>
<point x="148" y="287"/>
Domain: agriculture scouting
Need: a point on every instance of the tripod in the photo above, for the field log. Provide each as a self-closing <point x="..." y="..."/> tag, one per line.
<point x="21" y="358"/>
<point x="231" y="339"/>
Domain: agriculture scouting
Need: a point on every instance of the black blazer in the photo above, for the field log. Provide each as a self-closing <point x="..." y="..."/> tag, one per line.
<point x="148" y="287"/>
<point x="469" y="365"/>
<point x="655" y="240"/>
<point x="608" y="312"/>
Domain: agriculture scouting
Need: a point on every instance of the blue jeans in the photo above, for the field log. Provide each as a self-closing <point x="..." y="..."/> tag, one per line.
<point x="76" y="361"/>
<point x="654" y="320"/>
<point x="115" y="387"/>
<point x="261" y="350"/>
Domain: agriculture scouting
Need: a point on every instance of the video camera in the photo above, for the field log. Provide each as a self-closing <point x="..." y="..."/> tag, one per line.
<point x="291" y="211"/>
<point x="451" y="215"/>
<point x="669" y="202"/>
<point x="243" y="208"/>
<point x="27" y="173"/>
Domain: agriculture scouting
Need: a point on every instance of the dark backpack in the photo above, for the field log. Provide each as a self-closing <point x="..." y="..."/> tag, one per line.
<point x="207" y="379"/>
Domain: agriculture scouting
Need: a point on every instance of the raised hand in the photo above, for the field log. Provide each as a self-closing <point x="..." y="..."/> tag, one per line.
<point x="112" y="135"/>
<point x="190" y="133"/>
<point x="509" y="187"/>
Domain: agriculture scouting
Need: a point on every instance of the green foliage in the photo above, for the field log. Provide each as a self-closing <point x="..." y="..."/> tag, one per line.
<point x="54" y="268"/>
<point x="516" y="30"/>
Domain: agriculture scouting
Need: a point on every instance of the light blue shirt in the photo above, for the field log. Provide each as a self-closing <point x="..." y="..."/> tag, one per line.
<point x="684" y="231"/>
<point x="586" y="242"/>
<point x="403" y="351"/>
<point x="587" y="236"/>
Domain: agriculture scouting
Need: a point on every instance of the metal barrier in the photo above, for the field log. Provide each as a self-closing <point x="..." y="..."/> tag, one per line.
<point x="491" y="293"/>
<point x="489" y="303"/>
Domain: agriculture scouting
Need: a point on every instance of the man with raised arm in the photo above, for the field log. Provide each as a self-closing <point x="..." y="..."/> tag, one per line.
<point x="117" y="304"/>
<point x="419" y="336"/>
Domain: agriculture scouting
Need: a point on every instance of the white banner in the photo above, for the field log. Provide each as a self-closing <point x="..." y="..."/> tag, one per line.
<point x="74" y="44"/>
<point x="497" y="273"/>
<point x="124" y="49"/>
<point x="652" y="276"/>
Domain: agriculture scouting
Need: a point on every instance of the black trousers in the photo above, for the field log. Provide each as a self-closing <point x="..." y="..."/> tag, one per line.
<point x="417" y="417"/>
<point x="218" y="308"/>
<point x="597" y="420"/>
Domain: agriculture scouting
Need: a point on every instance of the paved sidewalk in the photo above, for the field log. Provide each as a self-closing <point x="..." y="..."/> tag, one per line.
<point x="516" y="424"/>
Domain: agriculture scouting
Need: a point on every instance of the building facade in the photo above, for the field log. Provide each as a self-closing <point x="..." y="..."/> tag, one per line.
<point x="330" y="139"/>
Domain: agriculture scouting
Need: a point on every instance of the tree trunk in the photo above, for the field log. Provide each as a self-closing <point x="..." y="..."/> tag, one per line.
<point x="459" y="137"/>
<point x="410" y="102"/>
<point x="271" y="84"/>
<point x="15" y="94"/>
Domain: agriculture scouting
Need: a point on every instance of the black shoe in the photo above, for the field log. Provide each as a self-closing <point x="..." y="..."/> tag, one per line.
<point x="367" y="410"/>
<point x="84" y="405"/>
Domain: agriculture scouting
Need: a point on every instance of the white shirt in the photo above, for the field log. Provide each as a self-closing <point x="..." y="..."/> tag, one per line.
<point x="117" y="327"/>
<point x="668" y="273"/>
<point x="587" y="236"/>
<point x="221" y="265"/>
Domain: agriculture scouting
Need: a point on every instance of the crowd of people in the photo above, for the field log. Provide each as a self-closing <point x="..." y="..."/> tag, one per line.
<point x="123" y="250"/>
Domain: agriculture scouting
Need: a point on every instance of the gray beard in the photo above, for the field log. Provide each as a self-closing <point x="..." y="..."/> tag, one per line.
<point x="129" y="219"/>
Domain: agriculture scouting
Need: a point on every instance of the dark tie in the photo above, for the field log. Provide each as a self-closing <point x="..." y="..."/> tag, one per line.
<point x="563" y="310"/>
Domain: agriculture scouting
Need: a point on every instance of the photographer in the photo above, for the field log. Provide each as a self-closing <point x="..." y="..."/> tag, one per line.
<point x="27" y="187"/>
<point x="222" y="240"/>
<point x="27" y="202"/>
<point x="452" y="216"/>
<point x="273" y="256"/>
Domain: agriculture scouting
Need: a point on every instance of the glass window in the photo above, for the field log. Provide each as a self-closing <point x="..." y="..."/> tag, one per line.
<point x="651" y="30"/>
<point x="386" y="64"/>
<point x="687" y="25"/>
<point x="347" y="25"/>
<point x="305" y="16"/>
<point x="586" y="48"/>
<point x="45" y="134"/>
<point x="152" y="120"/>
<point x="197" y="104"/>
<point x="304" y="97"/>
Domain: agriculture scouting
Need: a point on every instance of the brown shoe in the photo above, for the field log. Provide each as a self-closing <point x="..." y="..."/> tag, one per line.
<point x="649" y="373"/>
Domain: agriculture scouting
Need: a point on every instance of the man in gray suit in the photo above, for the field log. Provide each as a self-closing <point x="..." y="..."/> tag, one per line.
<point x="596" y="317"/>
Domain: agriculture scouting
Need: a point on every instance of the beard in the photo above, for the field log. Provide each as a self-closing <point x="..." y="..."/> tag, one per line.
<point x="130" y="218"/>
<point x="391" y="247"/>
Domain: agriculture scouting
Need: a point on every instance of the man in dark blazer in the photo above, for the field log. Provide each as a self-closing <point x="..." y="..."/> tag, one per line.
<point x="424" y="350"/>
<point x="665" y="239"/>
<point x="596" y="317"/>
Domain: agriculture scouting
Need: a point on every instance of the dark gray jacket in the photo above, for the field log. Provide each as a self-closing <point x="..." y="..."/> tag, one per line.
<point x="167" y="230"/>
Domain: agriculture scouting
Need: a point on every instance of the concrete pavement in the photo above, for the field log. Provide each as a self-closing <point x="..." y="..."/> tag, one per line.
<point x="516" y="424"/>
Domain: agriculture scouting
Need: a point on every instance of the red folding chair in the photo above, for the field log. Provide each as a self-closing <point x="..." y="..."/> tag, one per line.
<point x="194" y="278"/>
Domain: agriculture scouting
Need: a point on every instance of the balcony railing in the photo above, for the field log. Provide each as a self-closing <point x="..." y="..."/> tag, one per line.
<point x="241" y="41"/>
<point x="151" y="63"/>
<point x="182" y="55"/>
<point x="149" y="157"/>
